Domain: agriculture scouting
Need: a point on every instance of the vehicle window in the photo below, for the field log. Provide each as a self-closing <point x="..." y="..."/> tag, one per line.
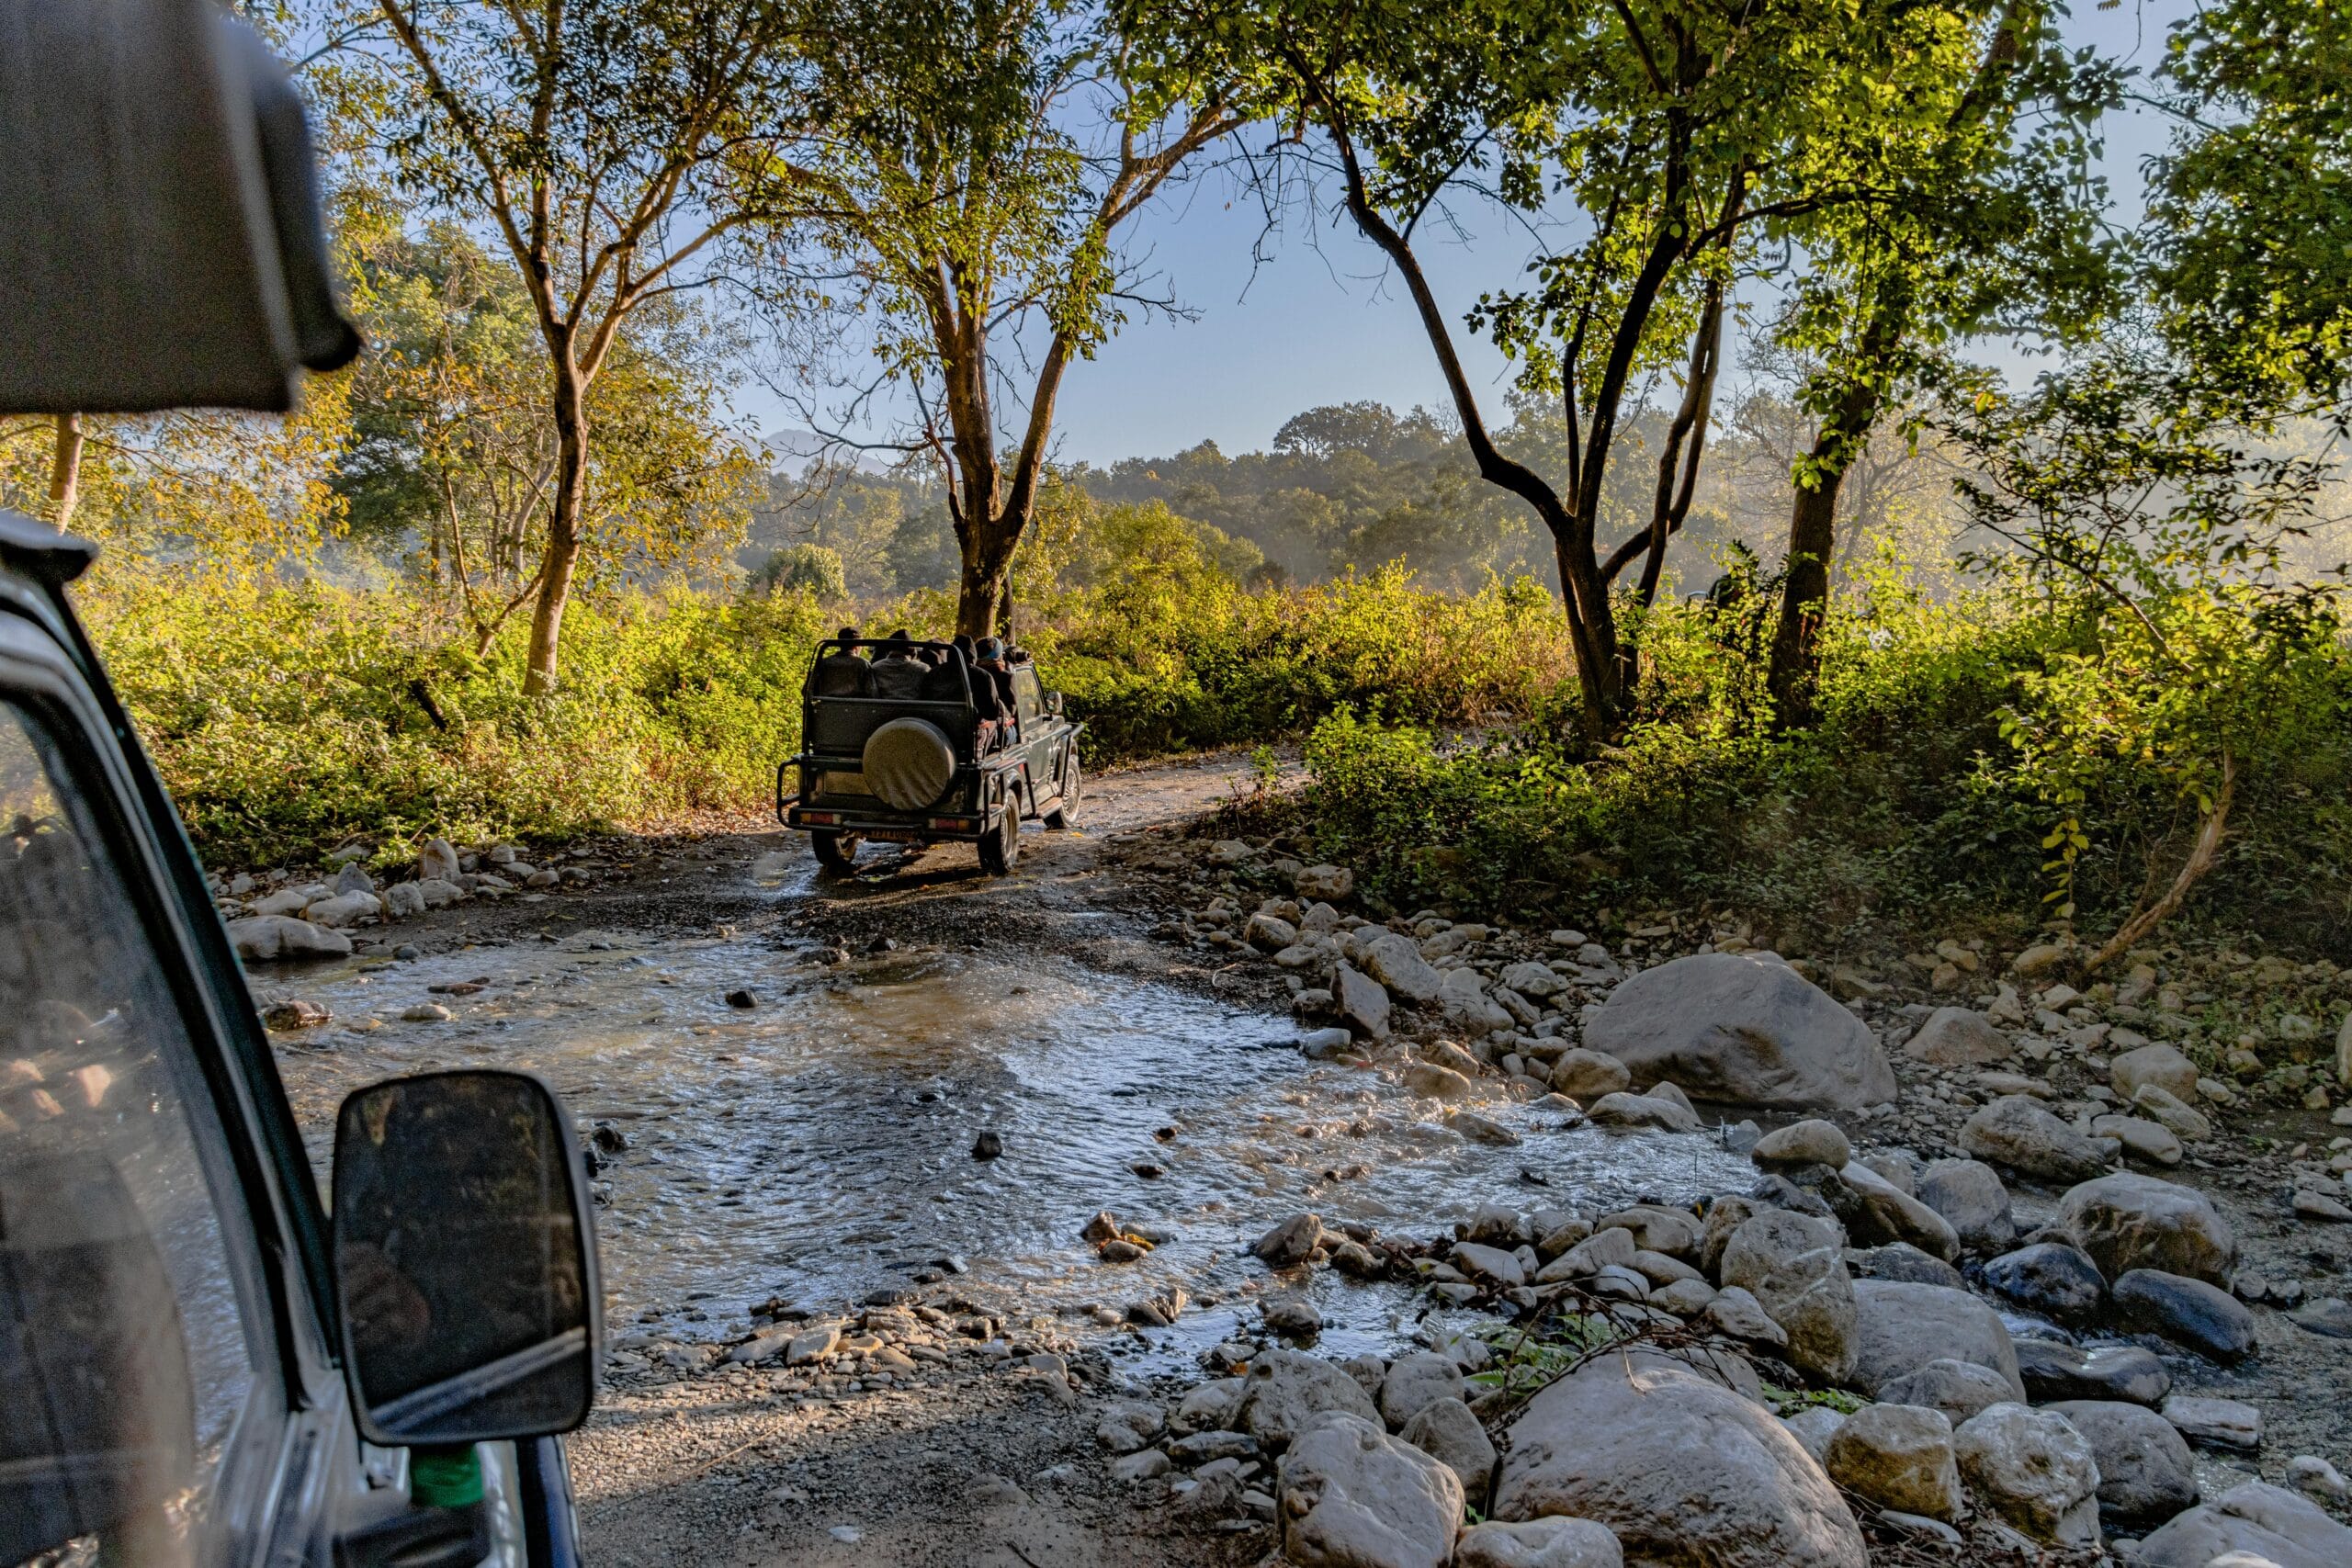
<point x="1027" y="703"/>
<point x="129" y="1338"/>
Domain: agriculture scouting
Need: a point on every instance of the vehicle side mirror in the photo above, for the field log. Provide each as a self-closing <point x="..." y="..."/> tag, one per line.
<point x="1053" y="704"/>
<point x="465" y="1260"/>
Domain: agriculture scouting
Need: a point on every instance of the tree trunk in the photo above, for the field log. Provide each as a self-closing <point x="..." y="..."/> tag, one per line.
<point x="984" y="563"/>
<point x="1795" y="670"/>
<point x="563" y="532"/>
<point x="66" y="469"/>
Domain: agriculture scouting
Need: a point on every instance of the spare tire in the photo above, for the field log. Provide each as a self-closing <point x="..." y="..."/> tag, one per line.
<point x="909" y="764"/>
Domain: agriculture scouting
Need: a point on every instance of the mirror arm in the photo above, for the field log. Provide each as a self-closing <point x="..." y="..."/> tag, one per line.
<point x="419" y="1538"/>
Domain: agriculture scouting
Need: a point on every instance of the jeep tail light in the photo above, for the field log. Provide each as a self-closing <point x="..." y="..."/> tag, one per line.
<point x="952" y="824"/>
<point x="825" y="818"/>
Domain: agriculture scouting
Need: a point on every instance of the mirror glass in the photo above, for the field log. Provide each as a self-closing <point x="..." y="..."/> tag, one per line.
<point x="464" y="1259"/>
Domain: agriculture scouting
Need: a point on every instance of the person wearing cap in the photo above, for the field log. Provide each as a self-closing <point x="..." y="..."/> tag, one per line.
<point x="900" y="673"/>
<point x="841" y="673"/>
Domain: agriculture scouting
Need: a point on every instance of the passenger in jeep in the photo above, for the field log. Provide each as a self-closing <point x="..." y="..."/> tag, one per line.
<point x="899" y="673"/>
<point x="842" y="673"/>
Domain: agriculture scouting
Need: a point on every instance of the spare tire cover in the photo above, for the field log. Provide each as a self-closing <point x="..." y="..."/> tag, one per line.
<point x="909" y="764"/>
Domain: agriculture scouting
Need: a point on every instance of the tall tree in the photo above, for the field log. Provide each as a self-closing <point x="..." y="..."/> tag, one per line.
<point x="989" y="153"/>
<point x="1990" y="218"/>
<point x="1682" y="132"/>
<point x="615" y="147"/>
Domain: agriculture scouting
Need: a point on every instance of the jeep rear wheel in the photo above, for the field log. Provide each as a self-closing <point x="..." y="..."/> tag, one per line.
<point x="837" y="852"/>
<point x="1002" y="848"/>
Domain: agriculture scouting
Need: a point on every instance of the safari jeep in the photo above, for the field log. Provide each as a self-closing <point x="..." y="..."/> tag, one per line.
<point x="927" y="769"/>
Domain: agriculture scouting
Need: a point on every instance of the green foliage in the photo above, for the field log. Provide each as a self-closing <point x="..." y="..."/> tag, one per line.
<point x="803" y="569"/>
<point x="287" y="720"/>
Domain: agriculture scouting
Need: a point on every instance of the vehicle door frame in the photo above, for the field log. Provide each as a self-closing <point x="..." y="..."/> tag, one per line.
<point x="266" y="1465"/>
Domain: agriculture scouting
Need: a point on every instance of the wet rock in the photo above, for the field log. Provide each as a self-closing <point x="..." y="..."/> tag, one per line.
<point x="1322" y="1045"/>
<point x="743" y="997"/>
<point x="1490" y="1264"/>
<point x="1428" y="1080"/>
<point x="1744" y="1028"/>
<point x="2160" y="1065"/>
<point x="1811" y="1141"/>
<point x="2186" y="1312"/>
<point x="1737" y="1312"/>
<point x="2229" y="1423"/>
<point x="1639" y="1111"/>
<point x="1900" y="1260"/>
<point x="1446" y="1431"/>
<point x="1898" y="1456"/>
<point x="1290" y="1243"/>
<point x="295" y="1013"/>
<point x="1269" y="933"/>
<point x="2017" y="1133"/>
<point x="2033" y="1470"/>
<point x="342" y="910"/>
<point x="1465" y="999"/>
<point x="2130" y="1221"/>
<point x="1127" y="1427"/>
<point x="1362" y="1003"/>
<point x="1793" y="1265"/>
<point x="1656" y="1227"/>
<point x="1290" y="1390"/>
<point x="1586" y="1076"/>
<point x="1613" y="1248"/>
<point x="262" y="938"/>
<point x="1416" y="1381"/>
<point x="2061" y="1283"/>
<point x="286" y="901"/>
<point x="1540" y="1543"/>
<point x="2267" y="1524"/>
<point x="1875" y="1212"/>
<point x="1958" y="1037"/>
<point x="426" y="1012"/>
<point x="1293" y="1319"/>
<point x="1679" y="1468"/>
<point x="1483" y="1130"/>
<point x="811" y="1344"/>
<point x="2329" y="1316"/>
<point x="1352" y="1496"/>
<point x="988" y="1145"/>
<point x="2146" y="1473"/>
<point x="1900" y="1327"/>
<point x="1960" y="1390"/>
<point x="2127" y="1372"/>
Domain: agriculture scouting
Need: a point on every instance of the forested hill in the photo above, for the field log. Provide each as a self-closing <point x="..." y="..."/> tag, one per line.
<point x="1356" y="486"/>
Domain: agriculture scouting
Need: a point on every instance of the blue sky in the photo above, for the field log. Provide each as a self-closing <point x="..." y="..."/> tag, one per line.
<point x="1323" y="323"/>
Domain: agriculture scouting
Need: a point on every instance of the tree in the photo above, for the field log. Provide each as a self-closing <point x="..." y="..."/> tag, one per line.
<point x="1990" y="220"/>
<point x="2249" y="232"/>
<point x="615" y="147"/>
<point x="978" y="202"/>
<point x="453" y="444"/>
<point x="1682" y="133"/>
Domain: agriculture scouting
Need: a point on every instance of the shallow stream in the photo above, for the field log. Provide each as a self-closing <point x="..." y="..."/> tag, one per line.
<point x="819" y="1144"/>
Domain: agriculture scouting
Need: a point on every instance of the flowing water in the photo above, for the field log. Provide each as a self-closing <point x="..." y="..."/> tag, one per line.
<point x="818" y="1146"/>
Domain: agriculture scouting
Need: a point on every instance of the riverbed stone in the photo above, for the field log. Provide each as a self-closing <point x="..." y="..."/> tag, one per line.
<point x="1328" y="884"/>
<point x="1875" y="1212"/>
<point x="1586" y="1076"/>
<point x="1269" y="933"/>
<point x="2189" y="1124"/>
<point x="1958" y="1037"/>
<point x="1530" y="978"/>
<point x="1682" y="1470"/>
<point x="2129" y="1373"/>
<point x="2141" y="1138"/>
<point x="1901" y="1260"/>
<point x="1416" y="1381"/>
<point x="1736" y="1312"/>
<point x="1898" y="1456"/>
<point x="1291" y="1242"/>
<point x="2059" y="1282"/>
<point x="2187" y="1312"/>
<point x="263" y="938"/>
<point x="1428" y="1080"/>
<point x="2033" y="1470"/>
<point x="1900" y="1327"/>
<point x="1813" y="1427"/>
<point x="1289" y="1390"/>
<point x="1446" y="1431"/>
<point x="1810" y="1142"/>
<point x="1213" y="1405"/>
<point x="2268" y="1524"/>
<point x="2162" y="1065"/>
<point x="437" y="859"/>
<point x="1640" y="1111"/>
<point x="1352" y="1496"/>
<point x="1362" y="1002"/>
<point x="1793" y="1265"/>
<point x="2015" y="1133"/>
<point x="1960" y="1390"/>
<point x="1540" y="1543"/>
<point x="2131" y="1220"/>
<point x="1395" y="960"/>
<point x="1743" y="1028"/>
<point x="1969" y="1194"/>
<point x="2146" y="1473"/>
<point x="2229" y="1423"/>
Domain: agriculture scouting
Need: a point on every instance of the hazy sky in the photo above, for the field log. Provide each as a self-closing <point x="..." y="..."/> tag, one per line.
<point x="1322" y="322"/>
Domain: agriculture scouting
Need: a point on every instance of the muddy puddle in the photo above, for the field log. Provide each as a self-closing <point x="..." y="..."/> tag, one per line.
<point x="819" y="1144"/>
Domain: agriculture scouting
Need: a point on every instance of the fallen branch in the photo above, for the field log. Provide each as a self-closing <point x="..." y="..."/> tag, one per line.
<point x="2201" y="856"/>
